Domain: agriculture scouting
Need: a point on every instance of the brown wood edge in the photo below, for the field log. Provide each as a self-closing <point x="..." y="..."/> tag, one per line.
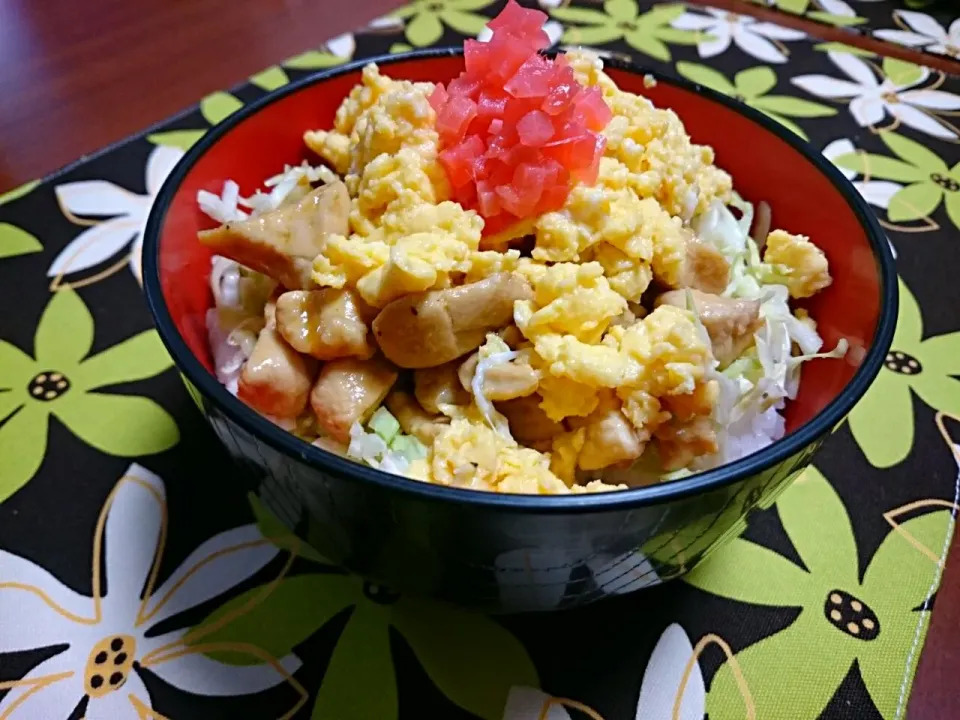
<point x="829" y="33"/>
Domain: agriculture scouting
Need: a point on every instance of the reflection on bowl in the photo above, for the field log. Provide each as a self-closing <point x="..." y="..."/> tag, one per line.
<point x="504" y="552"/>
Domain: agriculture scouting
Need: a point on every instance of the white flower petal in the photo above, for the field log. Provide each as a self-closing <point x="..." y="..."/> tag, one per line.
<point x="624" y="574"/>
<point x="931" y="99"/>
<point x="35" y="608"/>
<point x="94" y="246"/>
<point x="219" y="564"/>
<point x="56" y="700"/>
<point x="386" y="23"/>
<point x="532" y="579"/>
<point x="118" y="705"/>
<point x="878" y="192"/>
<point x="856" y="68"/>
<point x="716" y="44"/>
<point x="135" y="516"/>
<point x="919" y="120"/>
<point x="136" y="258"/>
<point x="692" y="21"/>
<point x="198" y="674"/>
<point x="867" y="111"/>
<point x="554" y="31"/>
<point x="661" y="680"/>
<point x="923" y="24"/>
<point x="758" y="46"/>
<point x="777" y="32"/>
<point x="904" y="37"/>
<point x="159" y="166"/>
<point x="526" y="703"/>
<point x="343" y="46"/>
<point x="835" y="149"/>
<point x="99" y="198"/>
<point x="837" y="7"/>
<point x="953" y="37"/>
<point x="824" y="86"/>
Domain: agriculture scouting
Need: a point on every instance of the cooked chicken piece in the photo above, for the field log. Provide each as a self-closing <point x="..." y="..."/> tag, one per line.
<point x="705" y="268"/>
<point x="331" y="445"/>
<point x="698" y="403"/>
<point x="679" y="443"/>
<point x="504" y="381"/>
<point x="276" y="379"/>
<point x="610" y="438"/>
<point x="730" y="322"/>
<point x="413" y="419"/>
<point x="529" y="424"/>
<point x="428" y="329"/>
<point x="511" y="335"/>
<point x="283" y="243"/>
<point x="467" y="370"/>
<point x="327" y="324"/>
<point x="348" y="391"/>
<point x="438" y="386"/>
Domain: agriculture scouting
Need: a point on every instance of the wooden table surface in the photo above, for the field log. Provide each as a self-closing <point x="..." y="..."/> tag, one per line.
<point x="72" y="82"/>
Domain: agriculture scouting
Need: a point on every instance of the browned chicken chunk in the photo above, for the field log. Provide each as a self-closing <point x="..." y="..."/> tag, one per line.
<point x="348" y="391"/>
<point x="284" y="242"/>
<point x="504" y="381"/>
<point x="413" y="419"/>
<point x="730" y="322"/>
<point x="428" y="329"/>
<point x="276" y="379"/>
<point x="529" y="424"/>
<point x="680" y="442"/>
<point x="610" y="438"/>
<point x="327" y="324"/>
<point x="438" y="386"/>
<point x="705" y="268"/>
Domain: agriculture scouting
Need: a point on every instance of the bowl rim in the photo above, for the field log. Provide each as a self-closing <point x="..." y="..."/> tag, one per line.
<point x="722" y="476"/>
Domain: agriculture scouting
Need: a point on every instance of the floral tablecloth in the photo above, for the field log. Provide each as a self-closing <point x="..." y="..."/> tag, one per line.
<point x="137" y="582"/>
<point x="931" y="26"/>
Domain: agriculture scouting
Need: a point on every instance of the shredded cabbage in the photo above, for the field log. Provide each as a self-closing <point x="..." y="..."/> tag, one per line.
<point x="755" y="387"/>
<point x="494" y="352"/>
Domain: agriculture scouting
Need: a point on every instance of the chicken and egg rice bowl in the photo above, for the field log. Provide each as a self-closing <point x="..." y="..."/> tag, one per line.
<point x="525" y="281"/>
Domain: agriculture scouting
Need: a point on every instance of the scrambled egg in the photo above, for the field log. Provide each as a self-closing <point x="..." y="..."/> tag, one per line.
<point x="801" y="264"/>
<point x="406" y="237"/>
<point x="654" y="146"/>
<point x="379" y="116"/>
<point x="604" y="374"/>
<point x="471" y="454"/>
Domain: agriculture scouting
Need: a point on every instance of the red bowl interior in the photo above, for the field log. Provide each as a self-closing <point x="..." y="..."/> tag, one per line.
<point x="764" y="167"/>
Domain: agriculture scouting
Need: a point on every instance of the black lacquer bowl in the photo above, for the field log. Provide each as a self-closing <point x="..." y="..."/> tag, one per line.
<point x="514" y="552"/>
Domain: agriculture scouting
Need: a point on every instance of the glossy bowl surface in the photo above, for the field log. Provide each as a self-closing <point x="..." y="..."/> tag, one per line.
<point x="514" y="552"/>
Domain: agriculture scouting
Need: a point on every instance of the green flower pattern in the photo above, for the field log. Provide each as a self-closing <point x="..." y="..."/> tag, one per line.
<point x="14" y="241"/>
<point x="914" y="365"/>
<point x="929" y="181"/>
<point x="848" y="622"/>
<point x="470" y="658"/>
<point x="648" y="33"/>
<point x="62" y="380"/>
<point x="425" y="19"/>
<point x="873" y="621"/>
<point x="751" y="87"/>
